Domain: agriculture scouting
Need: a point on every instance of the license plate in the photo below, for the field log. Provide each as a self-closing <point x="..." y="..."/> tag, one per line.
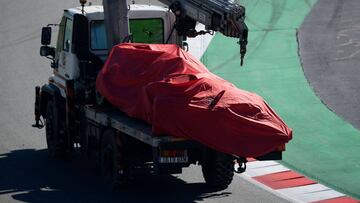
<point x="173" y="156"/>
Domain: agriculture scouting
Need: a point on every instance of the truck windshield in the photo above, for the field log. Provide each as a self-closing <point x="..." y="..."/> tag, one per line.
<point x="143" y="30"/>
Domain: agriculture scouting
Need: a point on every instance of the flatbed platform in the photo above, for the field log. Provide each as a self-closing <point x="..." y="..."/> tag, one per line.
<point x="133" y="127"/>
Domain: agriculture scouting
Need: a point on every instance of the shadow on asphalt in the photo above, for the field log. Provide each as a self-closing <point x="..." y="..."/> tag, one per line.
<point x="30" y="176"/>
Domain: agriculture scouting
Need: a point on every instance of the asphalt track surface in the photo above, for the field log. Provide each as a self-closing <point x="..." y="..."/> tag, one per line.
<point x="330" y="52"/>
<point x="26" y="173"/>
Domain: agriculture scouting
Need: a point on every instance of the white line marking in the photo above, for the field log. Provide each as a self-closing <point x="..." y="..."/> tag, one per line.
<point x="311" y="193"/>
<point x="259" y="168"/>
<point x="258" y="164"/>
<point x="266" y="170"/>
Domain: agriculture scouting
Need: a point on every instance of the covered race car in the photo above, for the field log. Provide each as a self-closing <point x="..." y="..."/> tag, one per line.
<point x="175" y="93"/>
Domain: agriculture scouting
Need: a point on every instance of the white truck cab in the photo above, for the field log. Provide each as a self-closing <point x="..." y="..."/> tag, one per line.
<point x="148" y="24"/>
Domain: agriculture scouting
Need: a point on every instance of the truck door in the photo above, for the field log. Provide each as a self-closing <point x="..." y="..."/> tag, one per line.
<point x="67" y="61"/>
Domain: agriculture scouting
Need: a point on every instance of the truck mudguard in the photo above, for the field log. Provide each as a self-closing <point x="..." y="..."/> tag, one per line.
<point x="48" y="91"/>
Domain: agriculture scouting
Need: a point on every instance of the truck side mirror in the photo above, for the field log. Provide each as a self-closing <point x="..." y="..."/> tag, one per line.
<point x="80" y="39"/>
<point x="47" y="51"/>
<point x="46" y="36"/>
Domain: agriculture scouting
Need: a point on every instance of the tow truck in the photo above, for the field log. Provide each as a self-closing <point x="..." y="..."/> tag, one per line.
<point x="74" y="115"/>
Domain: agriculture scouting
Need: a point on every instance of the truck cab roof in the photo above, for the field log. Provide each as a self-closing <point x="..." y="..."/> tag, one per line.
<point x="96" y="12"/>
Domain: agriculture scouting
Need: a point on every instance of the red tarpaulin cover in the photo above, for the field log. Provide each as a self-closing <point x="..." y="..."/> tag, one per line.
<point x="176" y="94"/>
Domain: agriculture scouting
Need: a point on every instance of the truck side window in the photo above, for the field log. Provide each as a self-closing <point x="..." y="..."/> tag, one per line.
<point x="60" y="40"/>
<point x="68" y="34"/>
<point x="98" y="35"/>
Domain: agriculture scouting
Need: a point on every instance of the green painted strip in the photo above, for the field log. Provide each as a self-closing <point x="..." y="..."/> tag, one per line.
<point x="325" y="147"/>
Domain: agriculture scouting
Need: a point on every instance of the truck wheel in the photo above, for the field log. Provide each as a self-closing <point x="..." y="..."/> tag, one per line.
<point x="218" y="169"/>
<point x="54" y="136"/>
<point x="110" y="160"/>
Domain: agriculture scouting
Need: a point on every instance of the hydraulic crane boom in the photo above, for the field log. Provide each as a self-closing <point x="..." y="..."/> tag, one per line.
<point x="116" y="21"/>
<point x="223" y="16"/>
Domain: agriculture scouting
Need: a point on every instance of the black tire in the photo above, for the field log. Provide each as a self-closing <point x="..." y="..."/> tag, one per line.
<point x="218" y="169"/>
<point x="55" y="140"/>
<point x="111" y="165"/>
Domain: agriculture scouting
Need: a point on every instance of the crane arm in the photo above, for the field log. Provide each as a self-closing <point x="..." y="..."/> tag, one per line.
<point x="116" y="15"/>
<point x="223" y="16"/>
